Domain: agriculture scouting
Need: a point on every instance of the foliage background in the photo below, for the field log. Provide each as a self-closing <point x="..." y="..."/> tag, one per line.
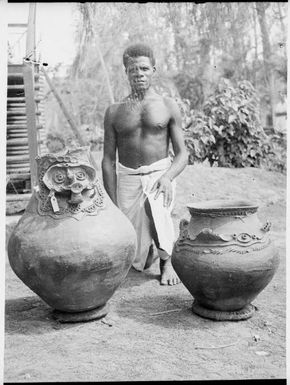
<point x="199" y="48"/>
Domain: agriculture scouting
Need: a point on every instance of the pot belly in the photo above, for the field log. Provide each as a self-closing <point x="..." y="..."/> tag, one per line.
<point x="225" y="282"/>
<point x="72" y="265"/>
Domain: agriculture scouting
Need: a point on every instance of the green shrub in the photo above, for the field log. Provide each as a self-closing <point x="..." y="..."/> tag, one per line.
<point x="227" y="131"/>
<point x="275" y="149"/>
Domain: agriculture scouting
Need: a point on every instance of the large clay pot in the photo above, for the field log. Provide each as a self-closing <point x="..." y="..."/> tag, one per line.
<point x="224" y="257"/>
<point x="72" y="246"/>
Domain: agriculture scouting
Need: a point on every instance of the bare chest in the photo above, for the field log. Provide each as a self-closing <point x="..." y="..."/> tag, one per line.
<point x="149" y="117"/>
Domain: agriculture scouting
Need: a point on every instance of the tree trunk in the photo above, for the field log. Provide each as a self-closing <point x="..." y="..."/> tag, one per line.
<point x="221" y="154"/>
<point x="174" y="21"/>
<point x="261" y="12"/>
<point x="256" y="46"/>
<point x="283" y="29"/>
<point x="103" y="64"/>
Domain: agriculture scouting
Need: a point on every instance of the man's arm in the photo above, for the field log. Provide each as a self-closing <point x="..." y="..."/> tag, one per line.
<point x="180" y="154"/>
<point x="109" y="157"/>
<point x="176" y="135"/>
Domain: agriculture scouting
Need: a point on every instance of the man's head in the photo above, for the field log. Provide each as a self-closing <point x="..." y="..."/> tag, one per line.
<point x="139" y="63"/>
<point x="138" y="50"/>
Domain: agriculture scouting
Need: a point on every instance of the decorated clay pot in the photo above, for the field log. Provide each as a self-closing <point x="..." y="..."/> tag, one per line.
<point x="224" y="257"/>
<point x="72" y="246"/>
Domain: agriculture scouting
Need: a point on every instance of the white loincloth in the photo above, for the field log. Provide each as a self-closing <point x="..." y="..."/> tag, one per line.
<point x="132" y="192"/>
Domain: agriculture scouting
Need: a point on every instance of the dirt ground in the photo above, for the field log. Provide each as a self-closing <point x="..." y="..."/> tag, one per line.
<point x="134" y="342"/>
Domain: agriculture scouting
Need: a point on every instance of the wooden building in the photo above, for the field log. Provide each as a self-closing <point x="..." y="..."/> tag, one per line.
<point x="25" y="118"/>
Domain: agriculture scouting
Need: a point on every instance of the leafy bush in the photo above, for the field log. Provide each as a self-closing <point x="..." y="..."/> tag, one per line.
<point x="190" y="88"/>
<point x="228" y="131"/>
<point x="275" y="148"/>
<point x="197" y="133"/>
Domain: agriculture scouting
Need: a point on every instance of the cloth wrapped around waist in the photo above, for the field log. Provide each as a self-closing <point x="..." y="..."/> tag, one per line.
<point x="134" y="187"/>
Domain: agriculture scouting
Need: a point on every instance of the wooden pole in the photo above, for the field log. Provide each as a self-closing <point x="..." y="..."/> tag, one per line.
<point x="63" y="108"/>
<point x="30" y="39"/>
<point x="31" y="121"/>
<point x="29" y="91"/>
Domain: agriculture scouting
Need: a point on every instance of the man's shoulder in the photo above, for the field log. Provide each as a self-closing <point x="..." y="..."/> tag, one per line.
<point x="169" y="100"/>
<point x="171" y="103"/>
<point x="113" y="108"/>
<point x="166" y="99"/>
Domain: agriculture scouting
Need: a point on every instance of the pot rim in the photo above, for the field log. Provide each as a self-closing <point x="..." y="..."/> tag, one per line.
<point x="225" y="206"/>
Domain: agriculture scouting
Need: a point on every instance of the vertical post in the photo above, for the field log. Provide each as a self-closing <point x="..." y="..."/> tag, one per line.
<point x="28" y="79"/>
<point x="3" y="117"/>
<point x="30" y="38"/>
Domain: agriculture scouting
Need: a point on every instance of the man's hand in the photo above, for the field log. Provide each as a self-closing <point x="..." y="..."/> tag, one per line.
<point x="163" y="185"/>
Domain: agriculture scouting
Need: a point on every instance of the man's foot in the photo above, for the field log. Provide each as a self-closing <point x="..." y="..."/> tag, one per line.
<point x="168" y="275"/>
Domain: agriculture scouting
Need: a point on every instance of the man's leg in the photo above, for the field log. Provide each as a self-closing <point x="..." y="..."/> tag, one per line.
<point x="150" y="257"/>
<point x="168" y="275"/>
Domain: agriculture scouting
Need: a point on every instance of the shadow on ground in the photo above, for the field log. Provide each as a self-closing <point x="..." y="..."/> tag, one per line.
<point x="136" y="278"/>
<point x="30" y="316"/>
<point x="169" y="309"/>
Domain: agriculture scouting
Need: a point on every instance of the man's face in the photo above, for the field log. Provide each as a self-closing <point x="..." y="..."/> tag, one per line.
<point x="140" y="71"/>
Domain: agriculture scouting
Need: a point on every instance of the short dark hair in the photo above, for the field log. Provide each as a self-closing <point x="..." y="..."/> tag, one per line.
<point x="137" y="50"/>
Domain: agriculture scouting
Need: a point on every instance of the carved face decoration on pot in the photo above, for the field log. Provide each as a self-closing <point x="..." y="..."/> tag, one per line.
<point x="68" y="185"/>
<point x="65" y="177"/>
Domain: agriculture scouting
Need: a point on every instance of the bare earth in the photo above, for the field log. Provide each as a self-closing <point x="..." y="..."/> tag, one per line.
<point x="134" y="342"/>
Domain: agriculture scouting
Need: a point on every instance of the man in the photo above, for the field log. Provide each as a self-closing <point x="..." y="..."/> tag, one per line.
<point x="142" y="184"/>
